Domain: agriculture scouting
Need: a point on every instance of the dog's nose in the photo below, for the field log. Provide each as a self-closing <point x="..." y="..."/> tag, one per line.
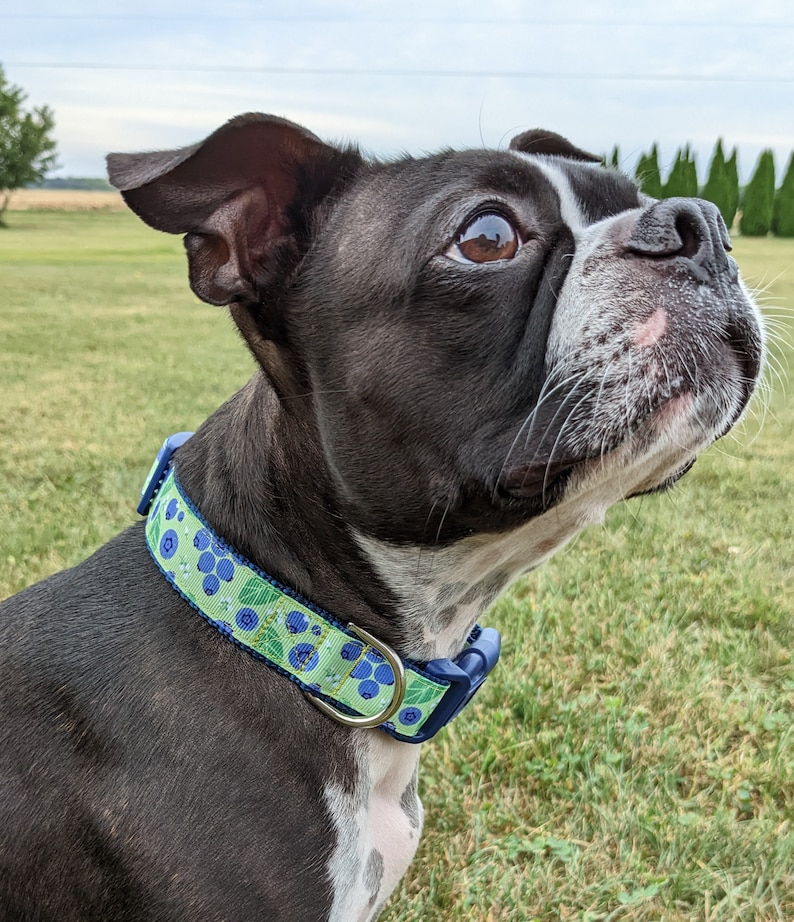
<point x="684" y="229"/>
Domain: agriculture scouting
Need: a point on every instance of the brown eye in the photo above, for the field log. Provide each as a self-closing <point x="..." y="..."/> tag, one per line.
<point x="486" y="238"/>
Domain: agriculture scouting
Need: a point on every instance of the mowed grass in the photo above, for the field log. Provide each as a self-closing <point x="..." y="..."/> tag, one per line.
<point x="632" y="758"/>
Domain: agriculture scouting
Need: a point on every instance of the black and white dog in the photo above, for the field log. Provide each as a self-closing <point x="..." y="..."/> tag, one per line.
<point x="464" y="359"/>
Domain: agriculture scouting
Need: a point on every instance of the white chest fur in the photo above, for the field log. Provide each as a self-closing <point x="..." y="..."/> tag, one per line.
<point x="377" y="823"/>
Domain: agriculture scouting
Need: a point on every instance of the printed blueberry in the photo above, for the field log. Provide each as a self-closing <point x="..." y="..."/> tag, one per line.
<point x="225" y="570"/>
<point x="206" y="563"/>
<point x="171" y="509"/>
<point x="384" y="674"/>
<point x="410" y="715"/>
<point x="368" y="689"/>
<point x="211" y="584"/>
<point x="247" y="619"/>
<point x="181" y="517"/>
<point x="362" y="670"/>
<point x="303" y="656"/>
<point x="374" y="657"/>
<point x="168" y="544"/>
<point x="351" y="651"/>
<point x="297" y="622"/>
<point x="316" y="630"/>
<point x="202" y="540"/>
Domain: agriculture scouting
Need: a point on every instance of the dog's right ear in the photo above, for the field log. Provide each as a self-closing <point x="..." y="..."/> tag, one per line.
<point x="540" y="141"/>
<point x="244" y="198"/>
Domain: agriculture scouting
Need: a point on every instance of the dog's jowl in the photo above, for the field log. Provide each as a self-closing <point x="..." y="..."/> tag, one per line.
<point x="463" y="360"/>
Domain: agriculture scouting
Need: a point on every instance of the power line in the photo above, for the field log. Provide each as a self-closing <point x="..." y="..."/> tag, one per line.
<point x="380" y="20"/>
<point x="397" y="72"/>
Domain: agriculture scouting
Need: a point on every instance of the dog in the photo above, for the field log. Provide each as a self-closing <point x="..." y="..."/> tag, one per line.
<point x="463" y="360"/>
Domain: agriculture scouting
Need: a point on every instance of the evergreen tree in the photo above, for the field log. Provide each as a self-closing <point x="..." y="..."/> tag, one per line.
<point x="691" y="173"/>
<point x="759" y="198"/>
<point x="783" y="211"/>
<point x="716" y="188"/>
<point x="683" y="177"/>
<point x="648" y="175"/>
<point x="732" y="189"/>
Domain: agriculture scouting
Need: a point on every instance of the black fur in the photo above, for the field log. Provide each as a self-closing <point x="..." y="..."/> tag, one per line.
<point x="148" y="769"/>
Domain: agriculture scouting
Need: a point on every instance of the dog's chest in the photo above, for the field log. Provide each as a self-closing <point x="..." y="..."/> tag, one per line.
<point x="378" y="822"/>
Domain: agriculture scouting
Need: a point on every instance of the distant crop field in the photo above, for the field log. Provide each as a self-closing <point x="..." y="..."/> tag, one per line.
<point x="632" y="757"/>
<point x="65" y="200"/>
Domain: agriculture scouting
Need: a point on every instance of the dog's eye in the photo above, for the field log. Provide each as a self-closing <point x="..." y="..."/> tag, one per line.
<point x="486" y="238"/>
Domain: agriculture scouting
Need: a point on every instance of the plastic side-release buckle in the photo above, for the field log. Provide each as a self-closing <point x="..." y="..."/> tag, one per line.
<point x="157" y="473"/>
<point x="465" y="676"/>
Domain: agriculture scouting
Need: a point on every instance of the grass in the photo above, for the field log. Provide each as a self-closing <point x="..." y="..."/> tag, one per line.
<point x="633" y="756"/>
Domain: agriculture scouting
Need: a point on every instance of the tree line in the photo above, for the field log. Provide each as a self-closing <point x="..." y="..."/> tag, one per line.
<point x="28" y="153"/>
<point x="761" y="207"/>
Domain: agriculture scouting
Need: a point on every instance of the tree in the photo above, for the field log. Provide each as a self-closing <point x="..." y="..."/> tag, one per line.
<point x="783" y="211"/>
<point x="647" y="173"/>
<point x="27" y="151"/>
<point x="717" y="189"/>
<point x="732" y="186"/>
<point x="683" y="178"/>
<point x="759" y="198"/>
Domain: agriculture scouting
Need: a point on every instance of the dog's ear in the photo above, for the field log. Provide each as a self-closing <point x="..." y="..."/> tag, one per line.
<point x="243" y="197"/>
<point x="538" y="141"/>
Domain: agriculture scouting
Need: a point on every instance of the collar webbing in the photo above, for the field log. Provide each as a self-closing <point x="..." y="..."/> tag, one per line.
<point x="329" y="661"/>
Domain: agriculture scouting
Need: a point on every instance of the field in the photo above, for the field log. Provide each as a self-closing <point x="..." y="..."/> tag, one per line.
<point x="65" y="200"/>
<point x="632" y="758"/>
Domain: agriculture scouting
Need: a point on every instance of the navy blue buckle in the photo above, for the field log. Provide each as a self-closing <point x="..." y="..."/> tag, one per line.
<point x="465" y="676"/>
<point x="156" y="475"/>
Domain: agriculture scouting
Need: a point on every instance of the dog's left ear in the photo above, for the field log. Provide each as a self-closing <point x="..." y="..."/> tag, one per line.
<point x="243" y="197"/>
<point x="538" y="141"/>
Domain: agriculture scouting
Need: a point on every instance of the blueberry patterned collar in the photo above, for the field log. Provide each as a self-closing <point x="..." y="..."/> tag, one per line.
<point x="343" y="670"/>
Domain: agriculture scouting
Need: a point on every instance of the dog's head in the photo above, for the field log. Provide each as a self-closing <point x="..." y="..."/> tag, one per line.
<point x="481" y="336"/>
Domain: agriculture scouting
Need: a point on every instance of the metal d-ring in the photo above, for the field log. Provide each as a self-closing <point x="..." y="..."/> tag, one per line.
<point x="397" y="696"/>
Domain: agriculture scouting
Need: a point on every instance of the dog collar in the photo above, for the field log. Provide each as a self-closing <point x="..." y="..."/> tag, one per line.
<point x="345" y="671"/>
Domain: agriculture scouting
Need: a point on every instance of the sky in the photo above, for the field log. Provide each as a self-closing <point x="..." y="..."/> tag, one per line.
<point x="411" y="76"/>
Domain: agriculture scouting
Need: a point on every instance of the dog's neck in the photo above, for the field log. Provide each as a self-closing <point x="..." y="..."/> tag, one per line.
<point x="247" y="463"/>
<point x="243" y="468"/>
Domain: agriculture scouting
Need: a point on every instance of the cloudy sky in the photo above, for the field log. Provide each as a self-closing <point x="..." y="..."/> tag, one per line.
<point x="410" y="76"/>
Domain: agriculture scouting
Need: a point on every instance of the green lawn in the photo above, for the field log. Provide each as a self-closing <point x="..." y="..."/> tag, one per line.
<point x="633" y="756"/>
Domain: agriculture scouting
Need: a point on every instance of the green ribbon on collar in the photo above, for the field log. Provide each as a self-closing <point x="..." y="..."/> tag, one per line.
<point x="274" y="624"/>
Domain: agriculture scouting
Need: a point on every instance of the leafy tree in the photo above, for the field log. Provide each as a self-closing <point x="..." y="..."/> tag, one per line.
<point x="783" y="211"/>
<point x="759" y="198"/>
<point x="27" y="151"/>
<point x="683" y="178"/>
<point x="647" y="173"/>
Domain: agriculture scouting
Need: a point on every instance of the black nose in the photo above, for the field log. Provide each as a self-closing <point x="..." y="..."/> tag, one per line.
<point x="686" y="229"/>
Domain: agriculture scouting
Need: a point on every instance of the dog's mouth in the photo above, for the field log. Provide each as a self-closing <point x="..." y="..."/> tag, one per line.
<point x="538" y="482"/>
<point x="541" y="483"/>
<point x="543" y="486"/>
<point x="648" y="422"/>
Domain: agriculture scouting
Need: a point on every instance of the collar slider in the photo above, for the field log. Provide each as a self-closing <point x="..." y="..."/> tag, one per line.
<point x="156" y="475"/>
<point x="465" y="676"/>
